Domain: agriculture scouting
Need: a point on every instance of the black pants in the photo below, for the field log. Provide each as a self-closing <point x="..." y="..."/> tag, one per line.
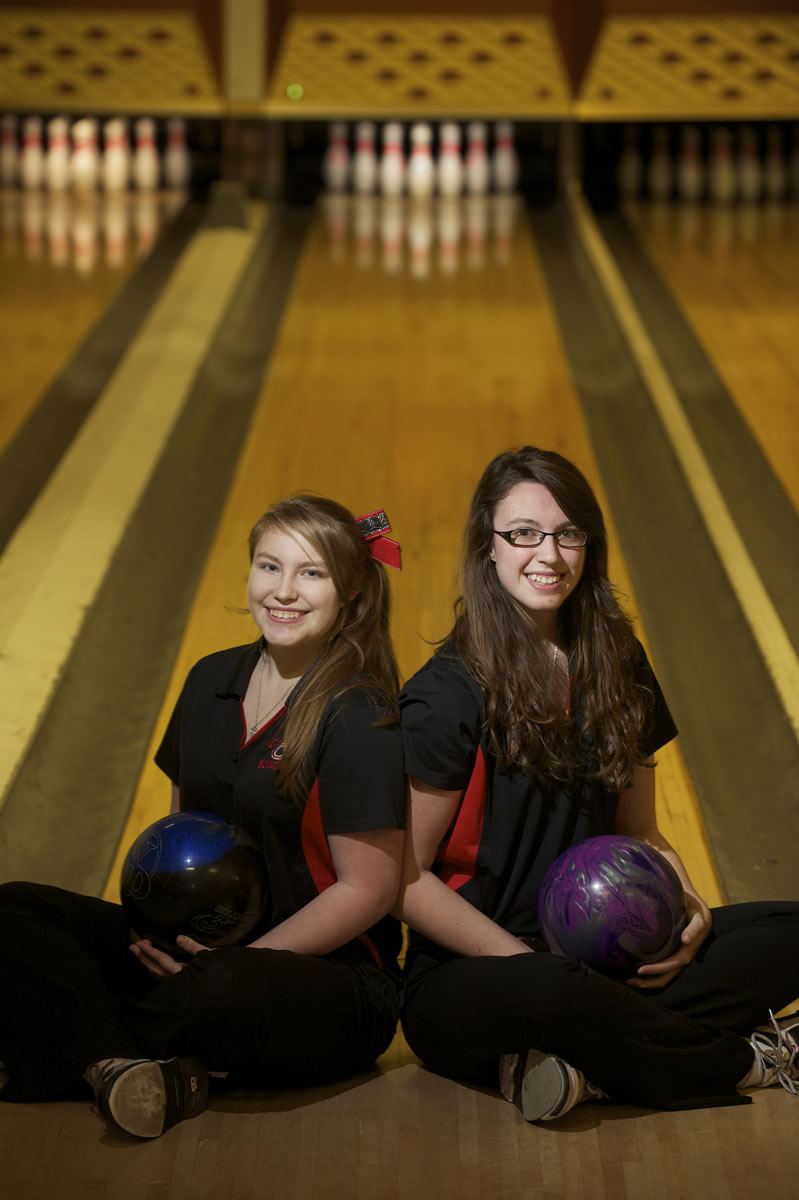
<point x="71" y="994"/>
<point x="680" y="1046"/>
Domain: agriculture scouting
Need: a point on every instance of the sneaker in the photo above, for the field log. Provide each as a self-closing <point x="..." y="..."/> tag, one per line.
<point x="542" y="1086"/>
<point x="776" y="1048"/>
<point x="146" y="1097"/>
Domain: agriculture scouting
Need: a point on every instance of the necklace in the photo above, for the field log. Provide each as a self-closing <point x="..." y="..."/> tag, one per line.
<point x="259" y="720"/>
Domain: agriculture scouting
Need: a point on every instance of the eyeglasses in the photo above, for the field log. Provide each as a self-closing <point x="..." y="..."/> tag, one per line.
<point x="567" y="539"/>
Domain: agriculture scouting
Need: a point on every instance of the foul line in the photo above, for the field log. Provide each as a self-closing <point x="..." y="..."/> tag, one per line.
<point x="763" y="619"/>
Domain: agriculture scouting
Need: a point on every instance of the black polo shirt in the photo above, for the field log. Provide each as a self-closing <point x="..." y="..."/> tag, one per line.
<point x="355" y="768"/>
<point x="510" y="826"/>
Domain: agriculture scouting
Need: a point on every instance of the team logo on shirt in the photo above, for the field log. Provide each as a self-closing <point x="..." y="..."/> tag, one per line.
<point x="276" y="749"/>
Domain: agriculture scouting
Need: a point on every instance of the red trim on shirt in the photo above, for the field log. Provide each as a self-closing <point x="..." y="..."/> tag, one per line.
<point x="458" y="852"/>
<point x="316" y="850"/>
<point x="315" y="845"/>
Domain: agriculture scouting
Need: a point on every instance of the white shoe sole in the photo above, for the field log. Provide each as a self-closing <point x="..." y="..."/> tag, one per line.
<point x="150" y="1097"/>
<point x="536" y="1083"/>
<point x="138" y="1101"/>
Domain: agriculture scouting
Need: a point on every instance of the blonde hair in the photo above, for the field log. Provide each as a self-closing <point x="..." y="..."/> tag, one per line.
<point x="358" y="650"/>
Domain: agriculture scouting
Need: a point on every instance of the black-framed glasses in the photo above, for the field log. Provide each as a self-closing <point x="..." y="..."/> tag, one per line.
<point x="567" y="539"/>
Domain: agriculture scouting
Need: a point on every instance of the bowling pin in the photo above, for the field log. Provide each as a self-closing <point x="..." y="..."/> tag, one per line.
<point x="9" y="153"/>
<point x="690" y="220"/>
<point x="9" y="220"/>
<point x="721" y="229"/>
<point x="506" y="163"/>
<point x="660" y="172"/>
<point x="420" y="238"/>
<point x="392" y="232"/>
<point x="173" y="202"/>
<point x="336" y="165"/>
<point x="477" y="168"/>
<point x="364" y="161"/>
<point x="722" y="182"/>
<point x="750" y="172"/>
<point x="146" y="164"/>
<point x="504" y="219"/>
<point x="776" y="169"/>
<point x="749" y="223"/>
<point x="392" y="161"/>
<point x="177" y="165"/>
<point x="116" y="157"/>
<point x="449" y="233"/>
<point x="449" y="170"/>
<point x="32" y="160"/>
<point x="364" y="228"/>
<point x="336" y="209"/>
<point x="84" y="232"/>
<point x="690" y="169"/>
<point x="84" y="164"/>
<point x="58" y="227"/>
<point x="115" y="227"/>
<point x="630" y="167"/>
<point x="421" y="173"/>
<point x="33" y="222"/>
<point x="476" y="224"/>
<point x="145" y="220"/>
<point x="57" y="162"/>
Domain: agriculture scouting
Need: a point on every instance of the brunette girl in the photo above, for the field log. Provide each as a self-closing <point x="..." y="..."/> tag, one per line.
<point x="534" y="726"/>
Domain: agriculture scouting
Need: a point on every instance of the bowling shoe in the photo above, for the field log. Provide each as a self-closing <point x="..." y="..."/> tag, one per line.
<point x="776" y="1048"/>
<point x="146" y="1097"/>
<point x="542" y="1086"/>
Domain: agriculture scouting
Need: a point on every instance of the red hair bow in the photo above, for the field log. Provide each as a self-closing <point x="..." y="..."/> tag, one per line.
<point x="374" y="526"/>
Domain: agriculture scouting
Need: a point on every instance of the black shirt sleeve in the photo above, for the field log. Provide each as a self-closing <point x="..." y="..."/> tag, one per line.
<point x="443" y="715"/>
<point x="442" y="718"/>
<point x="167" y="756"/>
<point x="360" y="770"/>
<point x="660" y="727"/>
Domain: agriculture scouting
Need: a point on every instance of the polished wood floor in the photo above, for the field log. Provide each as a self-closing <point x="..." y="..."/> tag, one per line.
<point x="391" y="384"/>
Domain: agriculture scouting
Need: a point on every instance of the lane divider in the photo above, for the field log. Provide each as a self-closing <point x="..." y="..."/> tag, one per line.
<point x="763" y="619"/>
<point x="58" y="557"/>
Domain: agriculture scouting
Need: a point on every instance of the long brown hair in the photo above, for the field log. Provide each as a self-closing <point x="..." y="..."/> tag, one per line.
<point x="358" y="650"/>
<point x="497" y="639"/>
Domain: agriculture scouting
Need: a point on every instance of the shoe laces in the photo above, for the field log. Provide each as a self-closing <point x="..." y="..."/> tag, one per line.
<point x="580" y="1090"/>
<point x="778" y="1056"/>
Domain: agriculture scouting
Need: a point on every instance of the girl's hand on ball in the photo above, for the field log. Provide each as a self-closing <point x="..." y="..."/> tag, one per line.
<point x="189" y="946"/>
<point x="699" y="922"/>
<point x="160" y="964"/>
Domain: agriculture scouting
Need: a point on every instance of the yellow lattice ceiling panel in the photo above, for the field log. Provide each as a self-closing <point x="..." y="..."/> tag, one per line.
<point x="407" y="66"/>
<point x="104" y="61"/>
<point x="714" y="67"/>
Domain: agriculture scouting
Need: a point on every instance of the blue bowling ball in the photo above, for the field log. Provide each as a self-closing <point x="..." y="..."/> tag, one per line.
<point x="197" y="874"/>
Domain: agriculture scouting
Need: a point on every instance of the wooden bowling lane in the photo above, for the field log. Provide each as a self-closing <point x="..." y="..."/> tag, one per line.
<point x="95" y="577"/>
<point x="62" y="263"/>
<point x="391" y="389"/>
<point x="735" y="272"/>
<point x="73" y="294"/>
<point x="393" y="381"/>
<point x="707" y="524"/>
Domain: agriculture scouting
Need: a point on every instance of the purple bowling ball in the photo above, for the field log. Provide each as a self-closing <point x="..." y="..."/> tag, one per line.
<point x="613" y="903"/>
